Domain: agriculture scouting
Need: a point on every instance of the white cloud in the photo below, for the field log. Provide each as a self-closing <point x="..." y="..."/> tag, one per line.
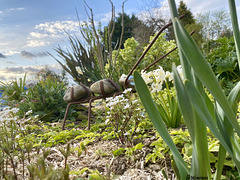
<point x="105" y="18"/>
<point x="38" y="35"/>
<point x="16" y="72"/>
<point x="37" y="43"/>
<point x="16" y="9"/>
<point x="10" y="53"/>
<point x="58" y="27"/>
<point x="51" y="32"/>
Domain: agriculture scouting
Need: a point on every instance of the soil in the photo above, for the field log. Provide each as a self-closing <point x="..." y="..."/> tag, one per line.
<point x="98" y="156"/>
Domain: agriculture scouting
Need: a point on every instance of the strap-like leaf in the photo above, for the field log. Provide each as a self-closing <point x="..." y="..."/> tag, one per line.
<point x="204" y="72"/>
<point x="156" y="118"/>
<point x="200" y="107"/>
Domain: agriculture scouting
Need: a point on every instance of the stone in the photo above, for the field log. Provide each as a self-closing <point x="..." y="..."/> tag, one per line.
<point x="108" y="87"/>
<point x="76" y="93"/>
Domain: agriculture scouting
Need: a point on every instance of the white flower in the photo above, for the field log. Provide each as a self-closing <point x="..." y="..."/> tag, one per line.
<point x="156" y="87"/>
<point x="29" y="112"/>
<point x="134" y="101"/>
<point x="122" y="78"/>
<point x="127" y="90"/>
<point x="109" y="99"/>
<point x="107" y="120"/>
<point x="126" y="133"/>
<point x="36" y="116"/>
<point x="169" y="76"/>
<point x="147" y="76"/>
<point x="126" y="106"/>
<point x="180" y="72"/>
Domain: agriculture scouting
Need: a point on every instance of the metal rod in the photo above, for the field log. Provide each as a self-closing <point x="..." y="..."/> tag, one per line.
<point x="147" y="49"/>
<point x="164" y="55"/>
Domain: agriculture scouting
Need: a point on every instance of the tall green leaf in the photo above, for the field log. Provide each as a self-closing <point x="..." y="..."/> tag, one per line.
<point x="200" y="156"/>
<point x="156" y="118"/>
<point x="204" y="72"/>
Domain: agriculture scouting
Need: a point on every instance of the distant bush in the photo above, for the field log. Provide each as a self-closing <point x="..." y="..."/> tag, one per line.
<point x="46" y="100"/>
<point x="223" y="59"/>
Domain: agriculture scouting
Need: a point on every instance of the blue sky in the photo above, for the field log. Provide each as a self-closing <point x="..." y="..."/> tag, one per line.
<point x="31" y="28"/>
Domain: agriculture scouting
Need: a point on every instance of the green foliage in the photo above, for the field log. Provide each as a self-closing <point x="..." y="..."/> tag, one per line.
<point x="14" y="91"/>
<point x="197" y="109"/>
<point x="160" y="83"/>
<point x="127" y="56"/>
<point x="46" y="100"/>
<point x="130" y="153"/>
<point x="94" y="174"/>
<point x="215" y="24"/>
<point x="128" y="26"/>
<point x="160" y="48"/>
<point x="224" y="62"/>
<point x="46" y="73"/>
<point x="79" y="62"/>
<point x="40" y="170"/>
<point x="188" y="16"/>
<point x="168" y="108"/>
<point x="188" y="22"/>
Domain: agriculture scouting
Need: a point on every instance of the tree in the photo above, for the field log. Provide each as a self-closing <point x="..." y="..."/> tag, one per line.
<point x="188" y="16"/>
<point x="152" y="15"/>
<point x="128" y="29"/>
<point x="215" y="24"/>
<point x="46" y="73"/>
<point x="188" y="19"/>
<point x="189" y="22"/>
<point x="141" y="31"/>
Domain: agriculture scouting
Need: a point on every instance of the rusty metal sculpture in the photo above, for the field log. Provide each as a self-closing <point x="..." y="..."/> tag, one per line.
<point x="103" y="95"/>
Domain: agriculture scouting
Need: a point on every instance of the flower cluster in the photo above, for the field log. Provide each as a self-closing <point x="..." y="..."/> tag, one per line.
<point x="8" y="114"/>
<point x="164" y="94"/>
<point x="157" y="77"/>
<point x="124" y="114"/>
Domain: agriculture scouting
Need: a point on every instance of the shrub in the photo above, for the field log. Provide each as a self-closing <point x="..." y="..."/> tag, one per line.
<point x="46" y="100"/>
<point x="224" y="62"/>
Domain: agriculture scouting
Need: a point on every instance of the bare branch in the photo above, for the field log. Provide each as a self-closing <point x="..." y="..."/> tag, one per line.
<point x="111" y="27"/>
<point x="86" y="8"/>
<point x="99" y="46"/>
<point x="120" y="43"/>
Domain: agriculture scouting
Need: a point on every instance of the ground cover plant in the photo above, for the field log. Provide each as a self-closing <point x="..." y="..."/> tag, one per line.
<point x="121" y="143"/>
